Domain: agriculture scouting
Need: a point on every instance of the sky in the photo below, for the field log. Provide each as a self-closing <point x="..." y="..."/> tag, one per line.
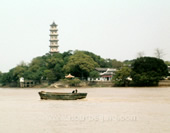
<point x="115" y="29"/>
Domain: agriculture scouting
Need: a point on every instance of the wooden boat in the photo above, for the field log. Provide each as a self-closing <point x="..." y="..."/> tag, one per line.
<point x="61" y="96"/>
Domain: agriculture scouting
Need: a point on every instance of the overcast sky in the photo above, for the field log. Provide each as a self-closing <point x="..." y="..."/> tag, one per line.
<point x="116" y="29"/>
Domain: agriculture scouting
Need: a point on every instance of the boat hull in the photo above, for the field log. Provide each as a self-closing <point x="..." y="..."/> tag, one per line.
<point x="61" y="96"/>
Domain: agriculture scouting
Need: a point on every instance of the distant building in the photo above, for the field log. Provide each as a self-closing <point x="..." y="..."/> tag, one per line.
<point x="26" y="83"/>
<point x="29" y="83"/>
<point x="106" y="74"/>
<point x="53" y="38"/>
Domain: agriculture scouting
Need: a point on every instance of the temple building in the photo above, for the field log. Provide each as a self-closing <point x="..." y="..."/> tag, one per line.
<point x="105" y="74"/>
<point x="53" y="38"/>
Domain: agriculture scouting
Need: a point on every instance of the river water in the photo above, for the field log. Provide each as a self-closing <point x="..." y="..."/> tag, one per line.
<point x="105" y="110"/>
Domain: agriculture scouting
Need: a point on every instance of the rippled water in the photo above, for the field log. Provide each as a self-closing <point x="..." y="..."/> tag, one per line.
<point x="105" y="110"/>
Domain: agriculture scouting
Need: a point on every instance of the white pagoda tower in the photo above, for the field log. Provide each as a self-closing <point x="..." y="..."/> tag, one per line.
<point x="53" y="38"/>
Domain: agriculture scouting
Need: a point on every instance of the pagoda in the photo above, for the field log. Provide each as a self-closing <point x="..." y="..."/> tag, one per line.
<point x="53" y="38"/>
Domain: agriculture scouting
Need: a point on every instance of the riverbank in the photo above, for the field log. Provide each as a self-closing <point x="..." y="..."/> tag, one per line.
<point x="84" y="84"/>
<point x="162" y="83"/>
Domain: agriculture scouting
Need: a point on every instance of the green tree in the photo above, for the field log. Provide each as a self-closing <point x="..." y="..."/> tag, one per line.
<point x="147" y="71"/>
<point x="116" y="64"/>
<point x="13" y="75"/>
<point x="167" y="63"/>
<point x="0" y="76"/>
<point x="94" y="75"/>
<point x="128" y="62"/>
<point x="36" y="69"/>
<point x="18" y="72"/>
<point x="55" y="63"/>
<point x="122" y="77"/>
<point x="6" y="78"/>
<point x="80" y="65"/>
<point x="66" y="56"/>
<point x="50" y="75"/>
<point x="105" y="63"/>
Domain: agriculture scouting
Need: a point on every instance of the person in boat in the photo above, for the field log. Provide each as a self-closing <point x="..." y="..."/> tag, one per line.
<point x="74" y="91"/>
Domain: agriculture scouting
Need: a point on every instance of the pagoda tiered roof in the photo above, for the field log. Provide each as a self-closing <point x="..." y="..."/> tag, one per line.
<point x="53" y="24"/>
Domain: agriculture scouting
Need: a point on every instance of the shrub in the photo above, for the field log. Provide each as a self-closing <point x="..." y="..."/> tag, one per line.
<point x="147" y="71"/>
<point x="71" y="82"/>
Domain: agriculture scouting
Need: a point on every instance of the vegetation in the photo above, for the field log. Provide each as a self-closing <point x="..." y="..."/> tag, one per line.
<point x="144" y="71"/>
<point x="122" y="77"/>
<point x="94" y="75"/>
<point x="167" y="63"/>
<point x="147" y="71"/>
<point x="53" y="67"/>
<point x="80" y="65"/>
<point x="0" y="78"/>
<point x="71" y="82"/>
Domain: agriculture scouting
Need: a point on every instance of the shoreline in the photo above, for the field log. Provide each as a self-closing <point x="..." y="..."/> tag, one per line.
<point x="135" y="87"/>
<point x="59" y="85"/>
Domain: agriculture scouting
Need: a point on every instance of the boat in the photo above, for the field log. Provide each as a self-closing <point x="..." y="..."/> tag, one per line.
<point x="61" y="96"/>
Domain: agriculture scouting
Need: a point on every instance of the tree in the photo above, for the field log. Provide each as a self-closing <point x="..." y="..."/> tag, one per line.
<point x="18" y="72"/>
<point x="55" y="63"/>
<point x="0" y="74"/>
<point x="147" y="71"/>
<point x="50" y="75"/>
<point x="122" y="77"/>
<point x="128" y="62"/>
<point x="116" y="64"/>
<point x="140" y="54"/>
<point x="6" y="78"/>
<point x="167" y="63"/>
<point x="159" y="53"/>
<point x="36" y="69"/>
<point x="1" y="77"/>
<point x="66" y="55"/>
<point x="80" y="65"/>
<point x="94" y="74"/>
<point x="46" y="66"/>
<point x="105" y="63"/>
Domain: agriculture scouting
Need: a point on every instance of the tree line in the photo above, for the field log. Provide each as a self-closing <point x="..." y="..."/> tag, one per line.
<point x="53" y="67"/>
<point x="143" y="71"/>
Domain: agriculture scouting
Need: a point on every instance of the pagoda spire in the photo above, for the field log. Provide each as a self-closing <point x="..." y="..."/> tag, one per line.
<point x="53" y="38"/>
